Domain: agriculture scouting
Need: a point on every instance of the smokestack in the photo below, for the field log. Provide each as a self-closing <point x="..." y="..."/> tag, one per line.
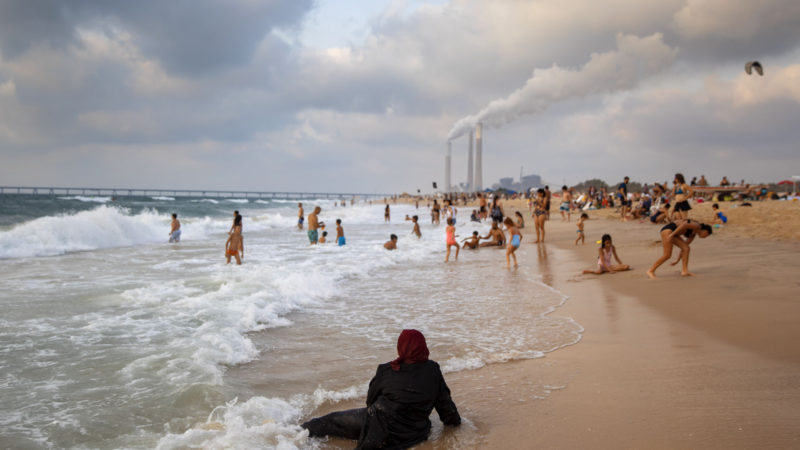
<point x="478" y="160"/>
<point x="469" y="166"/>
<point x="447" y="157"/>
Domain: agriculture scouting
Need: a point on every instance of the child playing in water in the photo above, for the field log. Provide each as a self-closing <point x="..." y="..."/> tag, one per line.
<point x="513" y="245"/>
<point x="472" y="242"/>
<point x="451" y="238"/>
<point x="581" y="235"/>
<point x="415" y="230"/>
<point x="391" y="244"/>
<point x="719" y="217"/>
<point x="233" y="246"/>
<point x="339" y="233"/>
<point x="605" y="252"/>
<point x="324" y="238"/>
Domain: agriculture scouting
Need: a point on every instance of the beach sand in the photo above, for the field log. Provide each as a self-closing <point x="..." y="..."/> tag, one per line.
<point x="709" y="361"/>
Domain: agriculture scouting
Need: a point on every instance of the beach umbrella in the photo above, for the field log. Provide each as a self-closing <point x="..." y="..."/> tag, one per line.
<point x="753" y="65"/>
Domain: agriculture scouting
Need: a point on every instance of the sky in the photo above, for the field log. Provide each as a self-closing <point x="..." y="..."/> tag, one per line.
<point x="353" y="96"/>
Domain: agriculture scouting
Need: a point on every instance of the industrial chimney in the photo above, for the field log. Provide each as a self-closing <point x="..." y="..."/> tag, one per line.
<point x="478" y="186"/>
<point x="470" y="179"/>
<point x="447" y="157"/>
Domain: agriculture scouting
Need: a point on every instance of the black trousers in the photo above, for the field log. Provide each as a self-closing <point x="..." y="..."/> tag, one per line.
<point x="346" y="424"/>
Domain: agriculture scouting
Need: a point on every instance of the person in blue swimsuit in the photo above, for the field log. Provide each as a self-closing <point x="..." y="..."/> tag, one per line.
<point x="339" y="233"/>
<point x="513" y="245"/>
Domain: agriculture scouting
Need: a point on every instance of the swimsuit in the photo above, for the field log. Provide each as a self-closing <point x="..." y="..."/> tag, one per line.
<point x="175" y="236"/>
<point x="451" y="239"/>
<point x="564" y="206"/>
<point x="607" y="256"/>
<point x="300" y="220"/>
<point x="515" y="241"/>
<point x="722" y="217"/>
<point x="313" y="236"/>
<point x="580" y="231"/>
<point x="682" y="206"/>
<point x="341" y="240"/>
<point x="233" y="252"/>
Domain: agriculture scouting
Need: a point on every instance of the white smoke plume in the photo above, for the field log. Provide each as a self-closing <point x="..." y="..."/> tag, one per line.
<point x="634" y="60"/>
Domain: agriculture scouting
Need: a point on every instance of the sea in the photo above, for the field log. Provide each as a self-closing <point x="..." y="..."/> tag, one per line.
<point x="111" y="337"/>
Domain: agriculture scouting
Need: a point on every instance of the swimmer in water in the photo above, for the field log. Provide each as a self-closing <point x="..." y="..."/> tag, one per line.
<point x="391" y="244"/>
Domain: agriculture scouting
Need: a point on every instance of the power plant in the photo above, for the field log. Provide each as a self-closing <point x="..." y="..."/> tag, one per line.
<point x="474" y="168"/>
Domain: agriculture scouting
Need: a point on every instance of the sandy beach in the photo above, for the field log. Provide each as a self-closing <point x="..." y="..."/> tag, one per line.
<point x="709" y="361"/>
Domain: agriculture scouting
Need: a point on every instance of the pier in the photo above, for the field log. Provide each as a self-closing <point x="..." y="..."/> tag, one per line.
<point x="179" y="193"/>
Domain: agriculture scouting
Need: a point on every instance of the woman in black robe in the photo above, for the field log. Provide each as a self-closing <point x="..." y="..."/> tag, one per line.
<point x="401" y="396"/>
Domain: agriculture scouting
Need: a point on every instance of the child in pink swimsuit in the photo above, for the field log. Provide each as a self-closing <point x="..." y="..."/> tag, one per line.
<point x="451" y="239"/>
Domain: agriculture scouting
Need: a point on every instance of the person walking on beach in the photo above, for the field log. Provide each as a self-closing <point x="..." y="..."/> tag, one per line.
<point x="682" y="193"/>
<point x="450" y="231"/>
<point x="340" y="241"/>
<point x="566" y="203"/>
<point x="680" y="234"/>
<point x="604" y="254"/>
<point x="313" y="225"/>
<point x="539" y="214"/>
<point x="386" y="213"/>
<point x="581" y="235"/>
<point x="300" y="216"/>
<point x="497" y="212"/>
<point x="233" y="246"/>
<point x="401" y="397"/>
<point x="548" y="197"/>
<point x="175" y="229"/>
<point x="515" y="240"/>
<point x="622" y="191"/>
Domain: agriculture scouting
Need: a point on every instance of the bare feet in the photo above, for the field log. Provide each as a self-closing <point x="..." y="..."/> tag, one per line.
<point x="687" y="274"/>
<point x="651" y="274"/>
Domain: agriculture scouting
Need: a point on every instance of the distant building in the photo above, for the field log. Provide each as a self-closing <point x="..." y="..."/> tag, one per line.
<point x="528" y="182"/>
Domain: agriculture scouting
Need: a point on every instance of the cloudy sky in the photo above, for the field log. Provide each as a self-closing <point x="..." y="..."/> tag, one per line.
<point x="354" y="96"/>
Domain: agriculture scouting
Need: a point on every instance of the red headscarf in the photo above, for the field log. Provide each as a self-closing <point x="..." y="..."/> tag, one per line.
<point x="411" y="348"/>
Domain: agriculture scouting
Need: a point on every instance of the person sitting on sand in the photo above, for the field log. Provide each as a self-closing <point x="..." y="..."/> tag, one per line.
<point x="234" y="245"/>
<point x="679" y="234"/>
<point x="175" y="229"/>
<point x="719" y="217"/>
<point x="661" y="215"/>
<point x="391" y="244"/>
<point x="401" y="396"/>
<point x="515" y="241"/>
<point x="604" y="254"/>
<point x="520" y="222"/>
<point x="581" y="223"/>
<point x="495" y="236"/>
<point x="472" y="241"/>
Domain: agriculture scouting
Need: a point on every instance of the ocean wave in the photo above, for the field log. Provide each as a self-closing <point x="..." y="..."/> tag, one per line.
<point x="163" y="198"/>
<point x="87" y="199"/>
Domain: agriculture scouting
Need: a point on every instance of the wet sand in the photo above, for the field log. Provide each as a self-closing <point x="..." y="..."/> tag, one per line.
<point x="709" y="361"/>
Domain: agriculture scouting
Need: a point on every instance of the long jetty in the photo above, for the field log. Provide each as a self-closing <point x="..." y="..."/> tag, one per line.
<point x="191" y="193"/>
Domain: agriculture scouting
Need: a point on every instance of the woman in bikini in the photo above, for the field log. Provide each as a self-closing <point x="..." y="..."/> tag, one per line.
<point x="682" y="193"/>
<point x="679" y="234"/>
<point x="539" y="214"/>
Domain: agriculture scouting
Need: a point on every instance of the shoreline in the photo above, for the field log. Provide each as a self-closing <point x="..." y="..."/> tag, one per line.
<point x="667" y="363"/>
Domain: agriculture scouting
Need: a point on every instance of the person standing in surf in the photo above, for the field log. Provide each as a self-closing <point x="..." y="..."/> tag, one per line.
<point x="313" y="225"/>
<point x="234" y="245"/>
<point x="300" y="216"/>
<point x="515" y="240"/>
<point x="340" y="241"/>
<point x="175" y="231"/>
